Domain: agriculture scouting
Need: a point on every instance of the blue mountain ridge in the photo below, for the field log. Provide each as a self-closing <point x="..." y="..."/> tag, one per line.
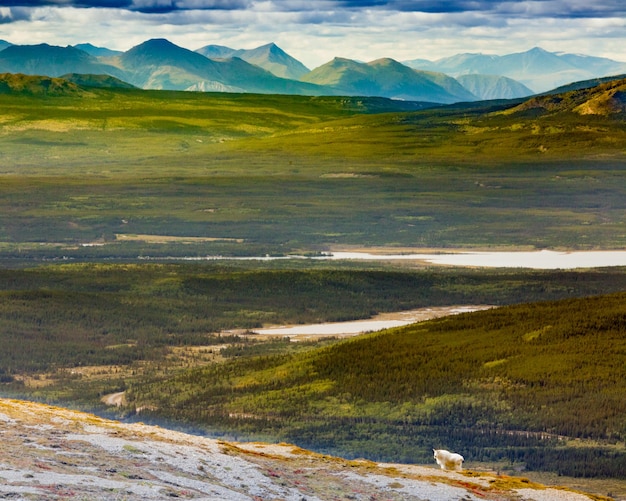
<point x="160" y="64"/>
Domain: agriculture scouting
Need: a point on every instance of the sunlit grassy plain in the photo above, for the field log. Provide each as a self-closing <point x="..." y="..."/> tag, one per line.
<point x="83" y="177"/>
<point x="295" y="173"/>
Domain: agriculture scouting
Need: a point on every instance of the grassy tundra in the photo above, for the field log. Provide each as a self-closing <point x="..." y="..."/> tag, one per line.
<point x="278" y="174"/>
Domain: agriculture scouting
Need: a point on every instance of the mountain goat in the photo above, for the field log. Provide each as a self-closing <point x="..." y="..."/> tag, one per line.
<point x="448" y="460"/>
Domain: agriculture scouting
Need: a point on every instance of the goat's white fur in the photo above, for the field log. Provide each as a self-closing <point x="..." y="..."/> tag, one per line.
<point x="448" y="460"/>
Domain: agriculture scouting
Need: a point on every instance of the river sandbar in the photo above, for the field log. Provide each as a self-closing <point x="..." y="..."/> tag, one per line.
<point x="376" y="323"/>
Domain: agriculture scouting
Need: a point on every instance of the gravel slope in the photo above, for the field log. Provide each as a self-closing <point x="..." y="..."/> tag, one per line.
<point x="52" y="453"/>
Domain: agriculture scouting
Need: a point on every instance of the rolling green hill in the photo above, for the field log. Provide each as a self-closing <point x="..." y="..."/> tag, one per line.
<point x="101" y="81"/>
<point x="607" y="98"/>
<point x="25" y="85"/>
<point x="521" y="383"/>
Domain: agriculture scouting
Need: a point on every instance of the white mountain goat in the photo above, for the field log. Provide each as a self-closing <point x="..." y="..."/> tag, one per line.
<point x="448" y="460"/>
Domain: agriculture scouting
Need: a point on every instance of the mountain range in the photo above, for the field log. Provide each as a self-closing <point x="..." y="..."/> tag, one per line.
<point x="537" y="68"/>
<point x="160" y="64"/>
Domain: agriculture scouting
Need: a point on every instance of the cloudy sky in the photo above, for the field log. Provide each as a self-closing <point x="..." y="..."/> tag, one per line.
<point x="315" y="31"/>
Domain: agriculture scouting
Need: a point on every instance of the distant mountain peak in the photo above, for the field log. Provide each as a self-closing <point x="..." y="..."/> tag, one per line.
<point x="270" y="46"/>
<point x="157" y="51"/>
<point x="216" y="51"/>
<point x="488" y="87"/>
<point x="275" y="60"/>
<point x="342" y="60"/>
<point x="96" y="51"/>
<point x="271" y="49"/>
<point x="538" y="52"/>
<point x="85" y="46"/>
<point x="385" y="61"/>
<point x="156" y="44"/>
<point x="157" y="41"/>
<point x="270" y="57"/>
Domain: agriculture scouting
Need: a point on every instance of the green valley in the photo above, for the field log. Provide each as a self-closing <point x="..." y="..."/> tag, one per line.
<point x="105" y="189"/>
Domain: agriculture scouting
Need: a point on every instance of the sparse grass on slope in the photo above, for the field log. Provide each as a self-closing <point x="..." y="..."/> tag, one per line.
<point x="53" y="453"/>
<point x="607" y="98"/>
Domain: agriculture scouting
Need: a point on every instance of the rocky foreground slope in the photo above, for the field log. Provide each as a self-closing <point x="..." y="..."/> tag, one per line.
<point x="53" y="453"/>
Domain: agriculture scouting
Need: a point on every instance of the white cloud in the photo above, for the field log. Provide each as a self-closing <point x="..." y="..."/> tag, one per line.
<point x="315" y="32"/>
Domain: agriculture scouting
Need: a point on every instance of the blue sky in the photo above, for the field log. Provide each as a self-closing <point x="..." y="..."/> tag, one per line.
<point x="315" y="31"/>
